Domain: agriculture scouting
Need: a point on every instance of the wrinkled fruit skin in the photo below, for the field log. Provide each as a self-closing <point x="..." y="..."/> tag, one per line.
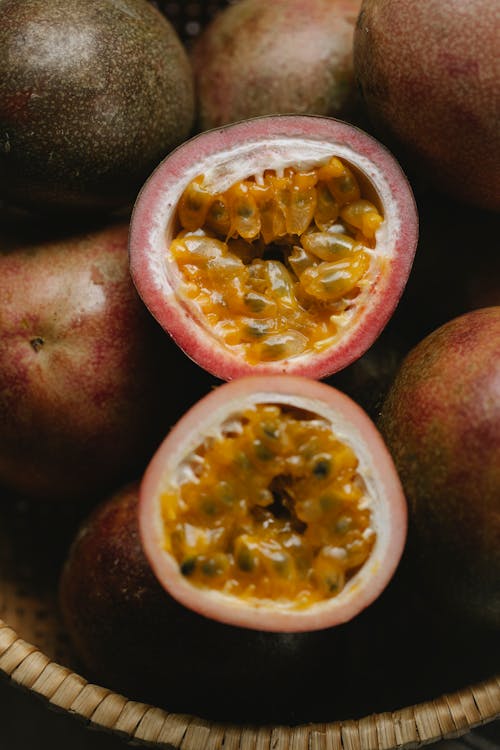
<point x="85" y="374"/>
<point x="441" y="421"/>
<point x="92" y="96"/>
<point x="131" y="636"/>
<point x="428" y="73"/>
<point x="259" y="58"/>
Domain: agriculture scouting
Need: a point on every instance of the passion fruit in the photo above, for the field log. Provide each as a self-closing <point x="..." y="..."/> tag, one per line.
<point x="85" y="371"/>
<point x="441" y="422"/>
<point x="428" y="74"/>
<point x="92" y="96"/>
<point x="129" y="635"/>
<point x="260" y="58"/>
<point x="273" y="505"/>
<point x="271" y="639"/>
<point x="278" y="244"/>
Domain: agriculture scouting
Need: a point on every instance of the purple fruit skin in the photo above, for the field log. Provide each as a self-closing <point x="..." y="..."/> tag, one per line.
<point x="441" y="421"/>
<point x="131" y="636"/>
<point x="428" y="72"/>
<point x="287" y="56"/>
<point x="88" y="383"/>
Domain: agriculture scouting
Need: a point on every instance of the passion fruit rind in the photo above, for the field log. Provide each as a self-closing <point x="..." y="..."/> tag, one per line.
<point x="234" y="208"/>
<point x="273" y="505"/>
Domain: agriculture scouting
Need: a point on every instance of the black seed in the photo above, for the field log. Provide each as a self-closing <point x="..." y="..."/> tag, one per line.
<point x="346" y="184"/>
<point x="245" y="560"/>
<point x="209" y="506"/>
<point x="262" y="451"/>
<point x="322" y="468"/>
<point x="188" y="565"/>
<point x="210" y="567"/>
<point x="343" y="525"/>
<point x="332" y="584"/>
<point x="245" y="211"/>
<point x="242" y="460"/>
<point x="257" y="329"/>
<point x="225" y="494"/>
<point x="270" y="430"/>
<point x="217" y="210"/>
<point x="254" y="303"/>
<point x="281" y="566"/>
<point x="326" y="502"/>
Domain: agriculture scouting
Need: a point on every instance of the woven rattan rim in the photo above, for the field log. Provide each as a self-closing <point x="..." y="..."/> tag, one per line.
<point x="450" y="715"/>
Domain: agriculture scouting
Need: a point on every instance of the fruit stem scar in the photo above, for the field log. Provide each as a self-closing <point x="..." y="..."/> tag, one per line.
<point x="37" y="343"/>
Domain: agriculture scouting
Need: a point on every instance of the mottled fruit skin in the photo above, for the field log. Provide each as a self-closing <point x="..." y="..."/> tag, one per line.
<point x="429" y="73"/>
<point x="441" y="421"/>
<point x="92" y="97"/>
<point x="131" y="636"/>
<point x="86" y="376"/>
<point x="287" y="56"/>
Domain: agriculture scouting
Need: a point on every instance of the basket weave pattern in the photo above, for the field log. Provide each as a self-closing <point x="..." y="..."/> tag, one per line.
<point x="28" y="615"/>
<point x="449" y="716"/>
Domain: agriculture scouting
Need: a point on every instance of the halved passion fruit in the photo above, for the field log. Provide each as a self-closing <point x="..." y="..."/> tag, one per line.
<point x="273" y="504"/>
<point x="278" y="244"/>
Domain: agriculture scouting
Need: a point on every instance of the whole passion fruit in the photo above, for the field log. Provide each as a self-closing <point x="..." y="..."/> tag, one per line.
<point x="86" y="381"/>
<point x="273" y="505"/>
<point x="131" y="636"/>
<point x="261" y="58"/>
<point x="92" y="96"/>
<point x="278" y="244"/>
<point x="428" y="73"/>
<point x="441" y="421"/>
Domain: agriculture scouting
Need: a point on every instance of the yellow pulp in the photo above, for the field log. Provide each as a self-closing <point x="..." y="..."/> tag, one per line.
<point x="272" y="509"/>
<point x="272" y="264"/>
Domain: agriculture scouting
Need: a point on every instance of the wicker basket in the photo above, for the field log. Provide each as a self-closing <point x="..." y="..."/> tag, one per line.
<point x="30" y="558"/>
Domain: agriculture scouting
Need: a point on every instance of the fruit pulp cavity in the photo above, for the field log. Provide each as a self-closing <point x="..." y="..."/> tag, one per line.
<point x="273" y="508"/>
<point x="276" y="265"/>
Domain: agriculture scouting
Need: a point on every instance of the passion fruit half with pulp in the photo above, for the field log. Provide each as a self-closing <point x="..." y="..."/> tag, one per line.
<point x="280" y="244"/>
<point x="273" y="505"/>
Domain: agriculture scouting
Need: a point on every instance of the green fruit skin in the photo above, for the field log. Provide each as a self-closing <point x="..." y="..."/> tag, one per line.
<point x="441" y="421"/>
<point x="286" y="56"/>
<point x="428" y="73"/>
<point x="92" y="96"/>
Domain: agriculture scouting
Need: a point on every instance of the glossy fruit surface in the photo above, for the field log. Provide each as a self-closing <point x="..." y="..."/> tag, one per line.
<point x="83" y="367"/>
<point x="428" y="73"/>
<point x="92" y="96"/>
<point x="273" y="505"/>
<point x="261" y="58"/>
<point x="280" y="244"/>
<point x="441" y="421"/>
